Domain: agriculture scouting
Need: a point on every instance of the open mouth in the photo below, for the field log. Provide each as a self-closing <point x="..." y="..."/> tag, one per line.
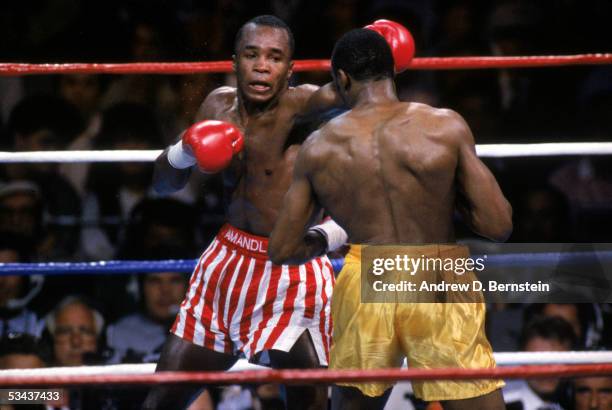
<point x="260" y="86"/>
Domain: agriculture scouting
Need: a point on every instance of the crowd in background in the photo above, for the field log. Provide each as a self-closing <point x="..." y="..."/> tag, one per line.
<point x="84" y="212"/>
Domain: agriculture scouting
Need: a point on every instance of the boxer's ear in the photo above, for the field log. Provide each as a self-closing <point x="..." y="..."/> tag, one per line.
<point x="343" y="79"/>
<point x="234" y="63"/>
<point x="290" y="72"/>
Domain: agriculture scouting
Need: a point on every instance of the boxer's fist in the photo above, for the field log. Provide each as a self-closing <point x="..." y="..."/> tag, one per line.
<point x="213" y="143"/>
<point x="399" y="39"/>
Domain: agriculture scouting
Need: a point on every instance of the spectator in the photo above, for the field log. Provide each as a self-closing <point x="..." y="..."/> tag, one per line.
<point x="84" y="91"/>
<point x="528" y="98"/>
<point x="21" y="351"/>
<point x="504" y="325"/>
<point x="114" y="189"/>
<point x="586" y="319"/>
<point x="75" y="327"/>
<point x="542" y="334"/>
<point x="16" y="292"/>
<point x="41" y="123"/>
<point x="161" y="222"/>
<point x="593" y="393"/>
<point x="542" y="215"/>
<point x="75" y="331"/>
<point x="139" y="337"/>
<point x="18" y="351"/>
<point x="587" y="183"/>
<point x="158" y="228"/>
<point x="458" y="25"/>
<point x="147" y="43"/>
<point x="21" y="212"/>
<point x="22" y="218"/>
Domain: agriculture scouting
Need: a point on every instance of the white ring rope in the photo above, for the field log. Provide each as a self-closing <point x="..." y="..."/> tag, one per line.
<point x="540" y="358"/>
<point x="544" y="149"/>
<point x="80" y="156"/>
<point x="502" y="359"/>
<point x="483" y="150"/>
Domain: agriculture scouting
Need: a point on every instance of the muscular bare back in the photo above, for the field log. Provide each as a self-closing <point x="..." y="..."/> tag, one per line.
<point x="390" y="173"/>
<point x="260" y="175"/>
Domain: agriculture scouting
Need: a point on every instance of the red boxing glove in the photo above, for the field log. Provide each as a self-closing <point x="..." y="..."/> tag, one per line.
<point x="213" y="143"/>
<point x="399" y="39"/>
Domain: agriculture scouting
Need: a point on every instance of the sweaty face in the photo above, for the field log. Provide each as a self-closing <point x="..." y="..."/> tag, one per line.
<point x="262" y="63"/>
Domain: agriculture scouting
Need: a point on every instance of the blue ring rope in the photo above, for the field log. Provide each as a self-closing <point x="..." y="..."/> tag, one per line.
<point x="187" y="265"/>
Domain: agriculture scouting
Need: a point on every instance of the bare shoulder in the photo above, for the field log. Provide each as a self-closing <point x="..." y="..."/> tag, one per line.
<point x="440" y="115"/>
<point x="306" y="90"/>
<point x="313" y="149"/>
<point x="223" y="95"/>
<point x="218" y="100"/>
<point x="301" y="93"/>
<point x="312" y="144"/>
<point x="442" y="122"/>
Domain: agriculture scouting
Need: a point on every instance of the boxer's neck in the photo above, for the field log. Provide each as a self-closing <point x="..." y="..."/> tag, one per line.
<point x="374" y="92"/>
<point x="248" y="109"/>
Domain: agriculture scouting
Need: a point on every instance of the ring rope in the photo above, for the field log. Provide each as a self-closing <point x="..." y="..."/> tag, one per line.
<point x="483" y="150"/>
<point x="187" y="265"/>
<point x="427" y="63"/>
<point x="501" y="358"/>
<point x="80" y="156"/>
<point x="100" y="267"/>
<point x="141" y="374"/>
<point x="309" y="376"/>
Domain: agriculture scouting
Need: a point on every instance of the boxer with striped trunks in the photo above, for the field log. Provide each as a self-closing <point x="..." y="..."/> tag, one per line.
<point x="238" y="302"/>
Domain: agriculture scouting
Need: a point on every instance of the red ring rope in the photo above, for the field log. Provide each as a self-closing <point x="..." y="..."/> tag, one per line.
<point x="310" y="376"/>
<point x="430" y="63"/>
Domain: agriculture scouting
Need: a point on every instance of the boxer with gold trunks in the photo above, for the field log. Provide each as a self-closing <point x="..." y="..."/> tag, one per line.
<point x="391" y="172"/>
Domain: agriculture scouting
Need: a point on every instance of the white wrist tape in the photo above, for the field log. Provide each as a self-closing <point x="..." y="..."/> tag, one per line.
<point x="333" y="233"/>
<point x="179" y="158"/>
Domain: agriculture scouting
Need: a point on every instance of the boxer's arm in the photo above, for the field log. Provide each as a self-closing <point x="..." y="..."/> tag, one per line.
<point x="290" y="242"/>
<point x="323" y="98"/>
<point x="167" y="178"/>
<point x="480" y="199"/>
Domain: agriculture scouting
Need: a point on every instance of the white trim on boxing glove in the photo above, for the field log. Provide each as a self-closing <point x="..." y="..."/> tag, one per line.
<point x="179" y="158"/>
<point x="333" y="233"/>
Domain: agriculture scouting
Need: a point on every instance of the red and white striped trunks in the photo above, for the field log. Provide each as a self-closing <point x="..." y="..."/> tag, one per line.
<point x="239" y="302"/>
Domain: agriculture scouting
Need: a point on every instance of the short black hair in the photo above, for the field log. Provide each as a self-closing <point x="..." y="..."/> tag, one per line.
<point x="548" y="328"/>
<point x="170" y="212"/>
<point x="585" y="311"/>
<point x="22" y="343"/>
<point x="41" y="111"/>
<point x="10" y="241"/>
<point x="364" y="55"/>
<point x="129" y="121"/>
<point x="270" y="21"/>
